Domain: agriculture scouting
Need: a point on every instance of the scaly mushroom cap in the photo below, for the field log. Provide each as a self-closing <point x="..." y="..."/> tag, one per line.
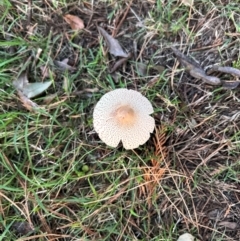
<point x="123" y="115"/>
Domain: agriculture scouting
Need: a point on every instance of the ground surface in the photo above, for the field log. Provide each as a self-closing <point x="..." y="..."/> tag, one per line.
<point x="58" y="181"/>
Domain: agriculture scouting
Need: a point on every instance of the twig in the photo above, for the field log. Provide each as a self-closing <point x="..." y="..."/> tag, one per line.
<point x="29" y="12"/>
<point x="200" y="74"/>
<point x="206" y="47"/>
<point x="227" y="70"/>
<point x="119" y="63"/>
<point x="194" y="69"/>
<point x="123" y="18"/>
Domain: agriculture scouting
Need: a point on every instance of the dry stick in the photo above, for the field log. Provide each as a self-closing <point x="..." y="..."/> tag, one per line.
<point x="206" y="47"/>
<point x="146" y="41"/>
<point x="29" y="11"/>
<point x="227" y="70"/>
<point x="43" y="221"/>
<point x="119" y="63"/>
<point x="194" y="69"/>
<point x="200" y="74"/>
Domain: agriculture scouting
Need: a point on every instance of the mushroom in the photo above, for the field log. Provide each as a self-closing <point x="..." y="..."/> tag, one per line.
<point x="123" y="115"/>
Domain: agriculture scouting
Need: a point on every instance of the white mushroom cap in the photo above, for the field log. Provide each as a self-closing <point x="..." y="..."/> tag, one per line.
<point x="123" y="115"/>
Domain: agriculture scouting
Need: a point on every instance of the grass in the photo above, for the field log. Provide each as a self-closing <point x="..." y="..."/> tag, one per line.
<point x="58" y="181"/>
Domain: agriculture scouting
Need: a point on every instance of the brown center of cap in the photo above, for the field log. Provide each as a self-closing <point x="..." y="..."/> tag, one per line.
<point x="124" y="115"/>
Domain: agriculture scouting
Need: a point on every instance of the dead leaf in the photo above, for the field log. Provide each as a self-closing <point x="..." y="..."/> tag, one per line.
<point x="20" y="84"/>
<point x="113" y="45"/>
<point x="215" y="214"/>
<point x="159" y="68"/>
<point x="49" y="98"/>
<point x="30" y="90"/>
<point x="86" y="91"/>
<point x="229" y="225"/>
<point x="116" y="76"/>
<point x="141" y="68"/>
<point x="64" y="65"/>
<point x="153" y="81"/>
<point x="27" y="103"/>
<point x="200" y="74"/>
<point x="21" y="81"/>
<point x="75" y="22"/>
<point x="34" y="89"/>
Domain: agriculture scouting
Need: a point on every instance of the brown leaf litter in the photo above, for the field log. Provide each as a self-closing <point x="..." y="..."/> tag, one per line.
<point x="75" y="22"/>
<point x="27" y="103"/>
